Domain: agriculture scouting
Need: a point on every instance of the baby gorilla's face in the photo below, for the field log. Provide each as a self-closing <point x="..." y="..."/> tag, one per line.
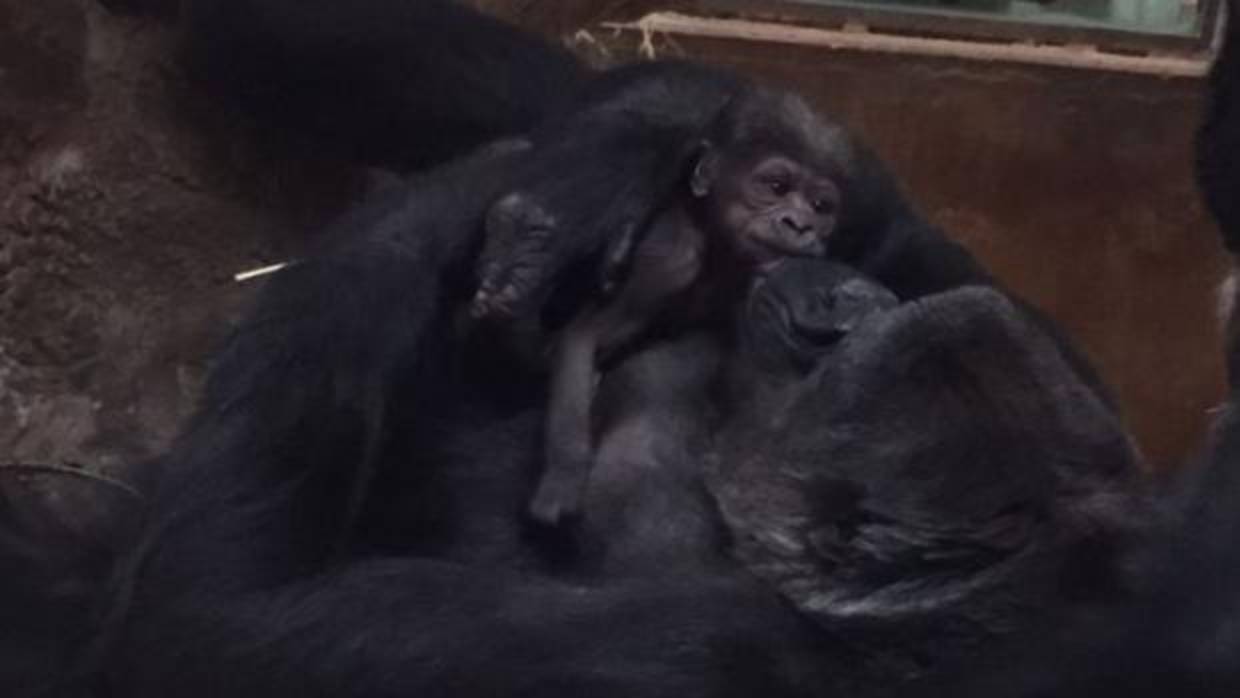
<point x="772" y="207"/>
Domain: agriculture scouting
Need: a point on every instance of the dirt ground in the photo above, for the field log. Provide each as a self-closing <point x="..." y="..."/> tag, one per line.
<point x="127" y="203"/>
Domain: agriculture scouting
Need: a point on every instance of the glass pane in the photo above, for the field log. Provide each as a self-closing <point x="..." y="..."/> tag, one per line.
<point x="1172" y="17"/>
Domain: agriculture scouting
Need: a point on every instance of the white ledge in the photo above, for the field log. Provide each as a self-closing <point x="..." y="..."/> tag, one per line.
<point x="860" y="39"/>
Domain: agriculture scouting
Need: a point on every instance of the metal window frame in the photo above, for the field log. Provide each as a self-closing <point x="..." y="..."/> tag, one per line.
<point x="980" y="28"/>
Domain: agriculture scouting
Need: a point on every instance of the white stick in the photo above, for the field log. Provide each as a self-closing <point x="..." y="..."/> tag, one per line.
<point x="850" y="39"/>
<point x="262" y="271"/>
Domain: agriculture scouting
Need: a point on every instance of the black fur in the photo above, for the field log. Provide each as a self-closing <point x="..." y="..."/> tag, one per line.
<point x="1218" y="141"/>
<point x="61" y="532"/>
<point x="395" y="83"/>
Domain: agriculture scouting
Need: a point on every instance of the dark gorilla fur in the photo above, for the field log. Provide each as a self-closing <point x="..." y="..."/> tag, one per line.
<point x="248" y="583"/>
<point x="392" y="83"/>
<point x="60" y="535"/>
<point x="252" y="580"/>
<point x="936" y="483"/>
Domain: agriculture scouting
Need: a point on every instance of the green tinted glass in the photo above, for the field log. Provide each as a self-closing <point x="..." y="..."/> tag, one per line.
<point x="1166" y="17"/>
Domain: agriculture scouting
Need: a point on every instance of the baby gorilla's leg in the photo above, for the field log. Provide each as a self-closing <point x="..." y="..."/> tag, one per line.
<point x="569" y="452"/>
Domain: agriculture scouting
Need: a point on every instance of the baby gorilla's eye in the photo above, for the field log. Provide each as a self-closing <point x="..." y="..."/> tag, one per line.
<point x="779" y="187"/>
<point x="823" y="206"/>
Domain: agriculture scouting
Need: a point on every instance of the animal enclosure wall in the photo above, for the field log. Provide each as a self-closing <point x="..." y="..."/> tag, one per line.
<point x="128" y="200"/>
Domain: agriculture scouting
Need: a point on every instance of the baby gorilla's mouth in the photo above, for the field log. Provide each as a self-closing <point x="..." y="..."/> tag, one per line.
<point x="769" y="245"/>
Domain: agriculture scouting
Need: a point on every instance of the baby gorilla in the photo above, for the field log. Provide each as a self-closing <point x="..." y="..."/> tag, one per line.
<point x="646" y="508"/>
<point x="762" y="188"/>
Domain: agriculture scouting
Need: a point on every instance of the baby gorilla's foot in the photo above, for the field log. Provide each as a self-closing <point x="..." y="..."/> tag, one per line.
<point x="515" y="259"/>
<point x="560" y="495"/>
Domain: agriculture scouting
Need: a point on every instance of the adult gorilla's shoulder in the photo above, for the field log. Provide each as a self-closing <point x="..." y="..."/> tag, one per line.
<point x="947" y="478"/>
<point x="1178" y="634"/>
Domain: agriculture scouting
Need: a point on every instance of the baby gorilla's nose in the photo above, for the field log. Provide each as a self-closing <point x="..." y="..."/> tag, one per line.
<point x="796" y="223"/>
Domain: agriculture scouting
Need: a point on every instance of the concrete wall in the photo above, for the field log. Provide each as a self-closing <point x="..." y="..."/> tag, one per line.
<point x="127" y="202"/>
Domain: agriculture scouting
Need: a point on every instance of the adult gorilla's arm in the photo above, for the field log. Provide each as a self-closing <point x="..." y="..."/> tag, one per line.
<point x="231" y="594"/>
<point x="1218" y="140"/>
<point x="238" y="586"/>
<point x="333" y="364"/>
<point x="395" y="83"/>
<point x="343" y="351"/>
<point x="404" y="628"/>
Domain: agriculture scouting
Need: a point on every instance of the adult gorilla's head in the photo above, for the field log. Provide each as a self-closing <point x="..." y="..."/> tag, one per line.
<point x="793" y="318"/>
<point x="923" y="477"/>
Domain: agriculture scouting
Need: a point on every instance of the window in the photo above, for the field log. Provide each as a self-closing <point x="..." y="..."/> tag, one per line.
<point x="1124" y="25"/>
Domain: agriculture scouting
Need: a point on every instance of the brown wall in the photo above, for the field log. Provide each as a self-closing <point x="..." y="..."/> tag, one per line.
<point x="126" y="203"/>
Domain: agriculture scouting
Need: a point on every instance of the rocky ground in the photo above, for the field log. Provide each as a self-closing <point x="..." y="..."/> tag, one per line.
<point x="127" y="204"/>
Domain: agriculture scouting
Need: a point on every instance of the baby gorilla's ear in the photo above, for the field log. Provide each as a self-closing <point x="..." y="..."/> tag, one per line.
<point x="705" y="171"/>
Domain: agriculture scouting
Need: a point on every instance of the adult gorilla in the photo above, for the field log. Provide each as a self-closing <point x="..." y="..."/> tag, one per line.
<point x="939" y="476"/>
